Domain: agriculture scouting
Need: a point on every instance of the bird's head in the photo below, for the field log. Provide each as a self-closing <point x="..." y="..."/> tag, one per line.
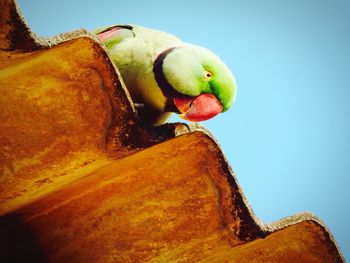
<point x="196" y="83"/>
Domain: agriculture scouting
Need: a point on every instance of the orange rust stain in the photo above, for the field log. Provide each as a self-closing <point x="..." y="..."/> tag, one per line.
<point x="55" y="112"/>
<point x="162" y="204"/>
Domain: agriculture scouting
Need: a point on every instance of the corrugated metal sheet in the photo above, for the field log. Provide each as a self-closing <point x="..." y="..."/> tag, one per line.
<point x="83" y="180"/>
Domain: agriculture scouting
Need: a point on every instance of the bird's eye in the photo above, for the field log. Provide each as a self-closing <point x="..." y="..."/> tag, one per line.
<point x="207" y="75"/>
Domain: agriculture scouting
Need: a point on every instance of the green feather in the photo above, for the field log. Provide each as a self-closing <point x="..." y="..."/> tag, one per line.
<point x="185" y="69"/>
<point x="134" y="49"/>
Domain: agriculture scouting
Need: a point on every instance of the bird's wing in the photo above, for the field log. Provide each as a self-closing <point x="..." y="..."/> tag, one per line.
<point x="115" y="33"/>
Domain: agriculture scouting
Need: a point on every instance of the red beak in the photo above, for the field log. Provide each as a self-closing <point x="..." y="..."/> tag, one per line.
<point x="200" y="108"/>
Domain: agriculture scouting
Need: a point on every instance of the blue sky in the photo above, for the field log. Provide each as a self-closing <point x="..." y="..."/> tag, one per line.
<point x="287" y="137"/>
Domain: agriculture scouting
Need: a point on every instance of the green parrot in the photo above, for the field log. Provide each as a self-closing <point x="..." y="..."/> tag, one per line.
<point x="165" y="75"/>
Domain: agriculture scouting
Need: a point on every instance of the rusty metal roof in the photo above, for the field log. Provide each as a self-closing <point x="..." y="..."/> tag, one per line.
<point x="84" y="180"/>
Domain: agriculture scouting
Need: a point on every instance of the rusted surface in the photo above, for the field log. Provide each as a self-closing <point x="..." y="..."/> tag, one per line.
<point x="306" y="241"/>
<point x="54" y="112"/>
<point x="81" y="182"/>
<point x="14" y="33"/>
<point x="63" y="113"/>
<point x="169" y="202"/>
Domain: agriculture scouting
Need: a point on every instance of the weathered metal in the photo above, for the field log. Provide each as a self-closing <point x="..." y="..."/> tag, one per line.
<point x="83" y="180"/>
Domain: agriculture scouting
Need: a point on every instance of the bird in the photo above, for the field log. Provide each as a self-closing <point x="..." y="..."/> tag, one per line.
<point x="165" y="75"/>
